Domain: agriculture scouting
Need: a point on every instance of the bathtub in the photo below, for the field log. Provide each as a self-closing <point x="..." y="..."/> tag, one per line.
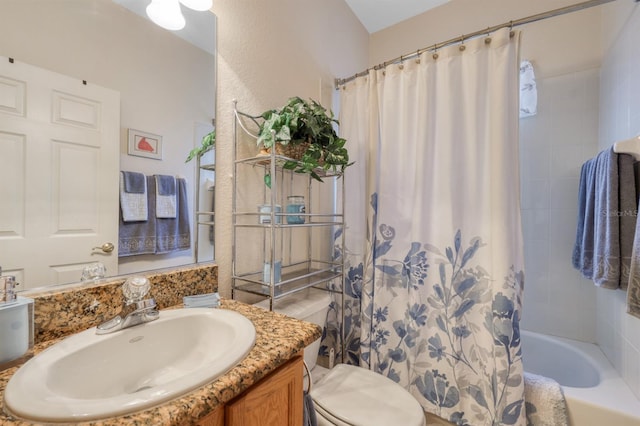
<point x="595" y="393"/>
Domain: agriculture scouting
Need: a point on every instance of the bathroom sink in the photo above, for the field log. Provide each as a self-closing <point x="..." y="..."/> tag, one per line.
<point x="88" y="376"/>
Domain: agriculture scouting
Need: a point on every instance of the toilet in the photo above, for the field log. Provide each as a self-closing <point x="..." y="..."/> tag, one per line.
<point x="348" y="395"/>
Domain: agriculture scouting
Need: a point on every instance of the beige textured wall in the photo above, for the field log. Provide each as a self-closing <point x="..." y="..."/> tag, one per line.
<point x="268" y="52"/>
<point x="565" y="44"/>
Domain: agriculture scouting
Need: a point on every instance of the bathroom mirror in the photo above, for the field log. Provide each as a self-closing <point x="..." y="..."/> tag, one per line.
<point x="166" y="84"/>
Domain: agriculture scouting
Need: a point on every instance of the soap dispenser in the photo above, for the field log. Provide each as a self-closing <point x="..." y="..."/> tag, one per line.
<point x="16" y="325"/>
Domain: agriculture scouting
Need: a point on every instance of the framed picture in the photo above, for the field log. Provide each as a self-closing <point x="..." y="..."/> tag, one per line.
<point x="145" y="144"/>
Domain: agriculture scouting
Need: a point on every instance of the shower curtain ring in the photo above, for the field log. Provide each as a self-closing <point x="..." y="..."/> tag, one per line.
<point x="401" y="64"/>
<point x="462" y="47"/>
<point x="435" y="51"/>
<point x="511" y="33"/>
<point x="418" y="56"/>
<point x="487" y="40"/>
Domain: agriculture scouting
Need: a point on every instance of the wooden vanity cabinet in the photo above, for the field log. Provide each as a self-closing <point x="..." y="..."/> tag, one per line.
<point x="275" y="400"/>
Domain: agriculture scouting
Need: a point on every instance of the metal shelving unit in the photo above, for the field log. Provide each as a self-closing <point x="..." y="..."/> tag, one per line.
<point x="261" y="238"/>
<point x="204" y="217"/>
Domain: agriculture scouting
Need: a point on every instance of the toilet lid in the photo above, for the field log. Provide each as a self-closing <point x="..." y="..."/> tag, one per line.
<point x="357" y="396"/>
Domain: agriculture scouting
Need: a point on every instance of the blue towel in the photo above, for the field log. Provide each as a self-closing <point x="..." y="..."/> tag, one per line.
<point x="134" y="183"/>
<point x="606" y="219"/>
<point x="134" y="200"/>
<point x="166" y="200"/>
<point x="139" y="237"/>
<point x="174" y="234"/>
<point x="166" y="185"/>
<point x="583" y="249"/>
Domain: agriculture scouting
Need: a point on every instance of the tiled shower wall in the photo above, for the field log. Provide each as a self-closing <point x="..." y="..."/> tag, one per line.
<point x="618" y="333"/>
<point x="553" y="146"/>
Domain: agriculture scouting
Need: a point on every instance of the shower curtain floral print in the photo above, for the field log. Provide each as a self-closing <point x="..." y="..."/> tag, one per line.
<point x="434" y="275"/>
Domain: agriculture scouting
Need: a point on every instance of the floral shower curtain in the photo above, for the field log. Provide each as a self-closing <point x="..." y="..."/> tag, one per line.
<point x="435" y="271"/>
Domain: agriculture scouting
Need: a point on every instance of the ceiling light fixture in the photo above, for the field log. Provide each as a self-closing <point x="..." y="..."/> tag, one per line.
<point x="166" y="13"/>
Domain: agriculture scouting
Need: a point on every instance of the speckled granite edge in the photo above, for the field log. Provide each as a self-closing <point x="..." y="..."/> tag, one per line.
<point x="63" y="310"/>
<point x="278" y="339"/>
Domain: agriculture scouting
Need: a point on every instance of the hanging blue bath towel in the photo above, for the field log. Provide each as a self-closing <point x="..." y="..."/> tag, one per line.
<point x="606" y="219"/>
<point x="583" y="249"/>
<point x="175" y="234"/>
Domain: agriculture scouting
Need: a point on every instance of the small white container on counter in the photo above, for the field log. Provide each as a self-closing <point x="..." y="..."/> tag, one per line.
<point x="16" y="330"/>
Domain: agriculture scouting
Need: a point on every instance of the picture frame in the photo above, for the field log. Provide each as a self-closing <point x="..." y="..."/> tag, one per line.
<point x="144" y="144"/>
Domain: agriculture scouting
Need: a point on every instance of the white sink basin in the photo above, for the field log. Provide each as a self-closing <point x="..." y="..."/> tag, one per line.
<point x="88" y="376"/>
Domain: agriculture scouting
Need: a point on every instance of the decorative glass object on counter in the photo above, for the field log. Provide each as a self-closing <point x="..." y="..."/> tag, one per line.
<point x="295" y="204"/>
<point x="94" y="271"/>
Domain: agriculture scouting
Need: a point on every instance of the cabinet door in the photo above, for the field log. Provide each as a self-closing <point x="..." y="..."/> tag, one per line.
<point x="274" y="401"/>
<point x="214" y="419"/>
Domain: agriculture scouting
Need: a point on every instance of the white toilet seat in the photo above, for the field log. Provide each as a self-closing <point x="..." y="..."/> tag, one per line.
<point x="353" y="396"/>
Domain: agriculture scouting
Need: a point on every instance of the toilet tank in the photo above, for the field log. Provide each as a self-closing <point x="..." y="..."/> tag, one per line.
<point x="309" y="305"/>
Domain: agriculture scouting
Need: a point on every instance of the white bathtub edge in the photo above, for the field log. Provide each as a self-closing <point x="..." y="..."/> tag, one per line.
<point x="610" y="399"/>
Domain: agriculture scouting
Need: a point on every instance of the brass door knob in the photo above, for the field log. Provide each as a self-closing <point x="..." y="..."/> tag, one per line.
<point x="106" y="247"/>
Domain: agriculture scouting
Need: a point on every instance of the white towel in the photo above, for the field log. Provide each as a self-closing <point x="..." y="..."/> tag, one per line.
<point x="134" y="205"/>
<point x="166" y="205"/>
<point x="544" y="401"/>
<point x="528" y="90"/>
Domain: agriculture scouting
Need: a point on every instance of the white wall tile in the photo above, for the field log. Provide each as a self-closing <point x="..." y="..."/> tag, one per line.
<point x="535" y="224"/>
<point x="536" y="161"/>
<point x="536" y="258"/>
<point x="606" y="340"/>
<point x="563" y="193"/>
<point x="618" y="333"/>
<point x="632" y="368"/>
<point x="563" y="224"/>
<point x="535" y="315"/>
<point x="633" y="331"/>
<point x="557" y="299"/>
<point x="617" y="358"/>
<point x="536" y="289"/>
<point x="535" y="194"/>
<point x="567" y="160"/>
<point x="619" y="311"/>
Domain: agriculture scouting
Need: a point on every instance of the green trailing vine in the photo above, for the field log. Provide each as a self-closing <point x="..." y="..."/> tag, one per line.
<point x="208" y="142"/>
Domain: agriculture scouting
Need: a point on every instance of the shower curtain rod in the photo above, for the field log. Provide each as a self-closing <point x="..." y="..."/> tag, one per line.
<point x="461" y="39"/>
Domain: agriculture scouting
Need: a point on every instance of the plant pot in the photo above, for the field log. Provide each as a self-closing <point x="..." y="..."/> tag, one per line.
<point x="292" y="151"/>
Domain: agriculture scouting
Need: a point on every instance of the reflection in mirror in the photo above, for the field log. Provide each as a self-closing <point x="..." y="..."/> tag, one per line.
<point x="112" y="73"/>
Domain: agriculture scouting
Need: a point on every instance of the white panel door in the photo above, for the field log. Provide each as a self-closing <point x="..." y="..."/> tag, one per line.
<point x="59" y="165"/>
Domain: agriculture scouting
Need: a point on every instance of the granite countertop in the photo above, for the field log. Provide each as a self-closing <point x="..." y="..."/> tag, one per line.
<point x="278" y="339"/>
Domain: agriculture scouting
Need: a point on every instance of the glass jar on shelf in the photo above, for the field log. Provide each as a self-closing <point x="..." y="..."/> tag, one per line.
<point x="295" y="204"/>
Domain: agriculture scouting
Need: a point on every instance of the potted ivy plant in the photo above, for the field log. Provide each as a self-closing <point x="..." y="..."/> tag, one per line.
<point x="208" y="141"/>
<point x="303" y="131"/>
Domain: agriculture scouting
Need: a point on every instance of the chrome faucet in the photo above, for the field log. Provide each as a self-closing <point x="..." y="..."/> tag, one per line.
<point x="136" y="310"/>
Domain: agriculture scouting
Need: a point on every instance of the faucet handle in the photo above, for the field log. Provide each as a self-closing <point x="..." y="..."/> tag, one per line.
<point x="135" y="289"/>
